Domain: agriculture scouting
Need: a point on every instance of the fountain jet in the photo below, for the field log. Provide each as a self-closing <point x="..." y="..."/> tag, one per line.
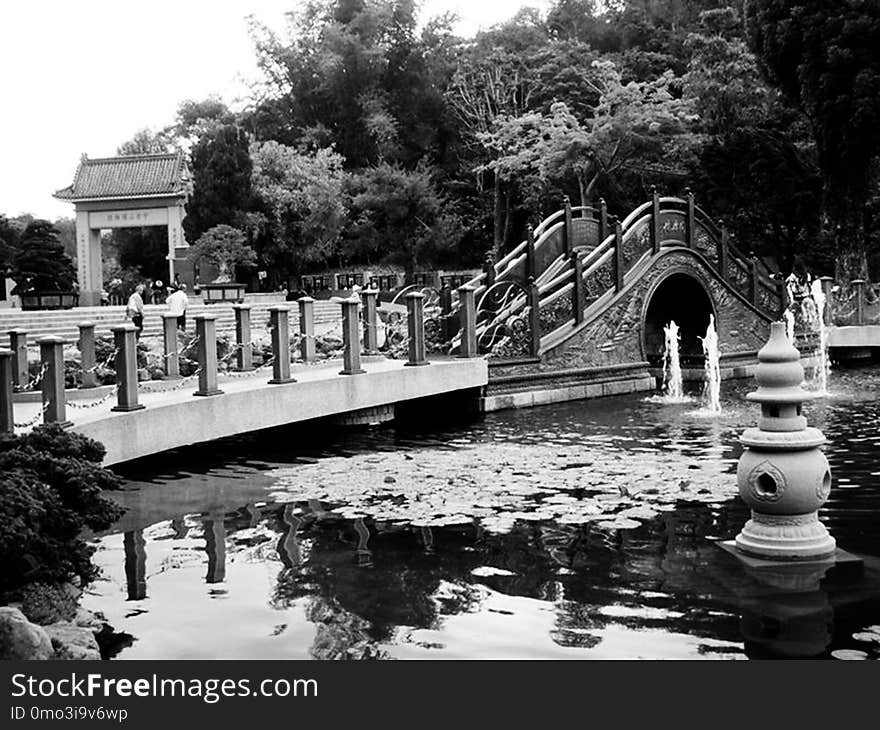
<point x="823" y="369"/>
<point x="673" y="388"/>
<point x="712" y="387"/>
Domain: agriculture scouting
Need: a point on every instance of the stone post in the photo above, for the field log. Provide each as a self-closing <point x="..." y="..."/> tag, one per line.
<point x="18" y="345"/>
<point x="535" y="319"/>
<point x="827" y="286"/>
<point x="530" y="252"/>
<point x="782" y="475"/>
<point x="244" y="355"/>
<point x="754" y="281"/>
<point x="351" y="340"/>
<point x="307" y="349"/>
<point x="135" y="550"/>
<point x="446" y="325"/>
<point x="568" y="228"/>
<point x="169" y="338"/>
<point x="603" y="220"/>
<point x="489" y="270"/>
<point x="858" y="286"/>
<point x="206" y="331"/>
<point x="7" y="423"/>
<point x="618" y="256"/>
<point x="370" y="297"/>
<point x="577" y="290"/>
<point x="125" y="341"/>
<point x="467" y="308"/>
<point x="415" y="320"/>
<point x="655" y="220"/>
<point x="52" y="359"/>
<point x="690" y="228"/>
<point x="87" y="355"/>
<point x="722" y="251"/>
<point x="279" y="324"/>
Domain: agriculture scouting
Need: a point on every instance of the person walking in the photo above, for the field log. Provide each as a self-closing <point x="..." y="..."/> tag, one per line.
<point x="177" y="302"/>
<point x="134" y="310"/>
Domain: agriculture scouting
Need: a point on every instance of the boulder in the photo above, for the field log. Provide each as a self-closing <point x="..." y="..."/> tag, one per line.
<point x="70" y="641"/>
<point x="94" y="621"/>
<point x="43" y="603"/>
<point x="20" y="639"/>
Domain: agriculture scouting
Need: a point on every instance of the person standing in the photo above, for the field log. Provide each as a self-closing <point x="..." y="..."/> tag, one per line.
<point x="134" y="310"/>
<point x="177" y="302"/>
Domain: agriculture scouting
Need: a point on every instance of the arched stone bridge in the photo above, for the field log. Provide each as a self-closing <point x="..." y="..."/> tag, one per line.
<point x="578" y="309"/>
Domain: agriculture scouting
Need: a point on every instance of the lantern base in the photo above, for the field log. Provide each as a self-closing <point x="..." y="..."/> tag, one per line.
<point x="786" y="537"/>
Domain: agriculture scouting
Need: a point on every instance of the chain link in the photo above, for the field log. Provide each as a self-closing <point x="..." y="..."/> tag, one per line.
<point x="33" y="421"/>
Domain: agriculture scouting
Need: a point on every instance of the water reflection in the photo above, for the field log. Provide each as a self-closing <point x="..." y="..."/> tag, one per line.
<point x="300" y="578"/>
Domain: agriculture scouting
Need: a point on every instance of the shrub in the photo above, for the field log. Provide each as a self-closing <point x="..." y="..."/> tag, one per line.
<point x="52" y="482"/>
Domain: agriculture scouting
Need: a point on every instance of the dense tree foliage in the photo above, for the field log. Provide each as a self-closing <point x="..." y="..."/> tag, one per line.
<point x="302" y="200"/>
<point x="52" y="490"/>
<point x="373" y="131"/>
<point x="39" y="262"/>
<point x="221" y="170"/>
<point x="824" y="57"/>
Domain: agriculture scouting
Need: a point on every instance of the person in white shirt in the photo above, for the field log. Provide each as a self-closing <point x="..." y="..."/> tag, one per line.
<point x="176" y="302"/>
<point x="134" y="310"/>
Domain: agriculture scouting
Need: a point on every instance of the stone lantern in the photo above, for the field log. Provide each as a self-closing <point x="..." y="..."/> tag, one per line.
<point x="782" y="474"/>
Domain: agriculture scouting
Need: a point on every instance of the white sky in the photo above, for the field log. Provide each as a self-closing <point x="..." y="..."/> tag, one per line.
<point x="84" y="75"/>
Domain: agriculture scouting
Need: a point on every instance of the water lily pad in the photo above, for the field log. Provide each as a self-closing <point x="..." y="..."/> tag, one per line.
<point x="849" y="654"/>
<point x="486" y="571"/>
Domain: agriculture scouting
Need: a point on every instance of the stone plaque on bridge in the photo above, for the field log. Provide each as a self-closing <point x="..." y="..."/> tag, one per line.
<point x="673" y="227"/>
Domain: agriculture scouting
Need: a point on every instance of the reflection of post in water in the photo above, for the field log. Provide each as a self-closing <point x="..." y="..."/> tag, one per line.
<point x="215" y="546"/>
<point x="428" y="539"/>
<point x="288" y="545"/>
<point x="793" y="618"/>
<point x="364" y="556"/>
<point x="253" y="513"/>
<point x="135" y="565"/>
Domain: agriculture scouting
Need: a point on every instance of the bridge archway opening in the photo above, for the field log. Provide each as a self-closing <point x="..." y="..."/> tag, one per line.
<point x="683" y="299"/>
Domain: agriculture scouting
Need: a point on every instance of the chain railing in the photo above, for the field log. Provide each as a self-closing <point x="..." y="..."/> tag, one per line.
<point x="360" y="324"/>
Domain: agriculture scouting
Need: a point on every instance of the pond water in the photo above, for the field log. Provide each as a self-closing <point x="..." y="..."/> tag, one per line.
<point x="579" y="530"/>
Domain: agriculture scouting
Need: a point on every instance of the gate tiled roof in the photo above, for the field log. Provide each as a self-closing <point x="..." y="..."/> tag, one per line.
<point x="128" y="176"/>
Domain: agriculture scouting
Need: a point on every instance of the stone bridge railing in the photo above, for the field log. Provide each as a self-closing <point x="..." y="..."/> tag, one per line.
<point x="579" y="255"/>
<point x="360" y="329"/>
<point x="858" y="304"/>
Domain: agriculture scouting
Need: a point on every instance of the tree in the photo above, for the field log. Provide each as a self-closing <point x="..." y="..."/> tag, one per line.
<point x="632" y="124"/>
<point x="226" y="248"/>
<point x="400" y="218"/>
<point x="146" y="142"/>
<point x="53" y="489"/>
<point x="221" y="170"/>
<point x="756" y="165"/>
<point x="40" y="263"/>
<point x="9" y="236"/>
<point x="824" y="56"/>
<point x="142" y="249"/>
<point x="302" y="196"/>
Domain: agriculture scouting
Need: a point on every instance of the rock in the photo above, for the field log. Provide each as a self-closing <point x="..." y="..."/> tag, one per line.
<point x="20" y="639"/>
<point x="89" y="620"/>
<point x="72" y="642"/>
<point x="390" y="480"/>
<point x="44" y="604"/>
<point x="143" y="374"/>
